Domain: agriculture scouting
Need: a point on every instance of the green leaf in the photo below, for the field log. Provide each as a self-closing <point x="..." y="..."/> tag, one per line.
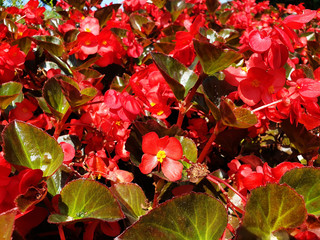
<point x="7" y="223"/>
<point x="269" y="209"/>
<point x="214" y="59"/>
<point x="159" y="3"/>
<point x="55" y="99"/>
<point x="105" y="13"/>
<point x="29" y="146"/>
<point x="52" y="44"/>
<point x="176" y="7"/>
<point x="12" y="27"/>
<point x="179" y="77"/>
<point x="72" y="92"/>
<point x="190" y="150"/>
<point x="85" y="199"/>
<point x="119" y="83"/>
<point x="8" y="92"/>
<point x="212" y="5"/>
<point x="193" y="216"/>
<point x="131" y="198"/>
<point x="24" y="44"/>
<point x="306" y="181"/>
<point x="236" y="116"/>
<point x="137" y="21"/>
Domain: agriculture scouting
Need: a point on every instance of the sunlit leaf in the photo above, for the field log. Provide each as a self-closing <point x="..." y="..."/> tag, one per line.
<point x="269" y="209"/>
<point x="8" y="92"/>
<point x="214" y="59"/>
<point x="131" y="198"/>
<point x="52" y="44"/>
<point x="54" y="97"/>
<point x="306" y="181"/>
<point x="29" y="146"/>
<point x="189" y="148"/>
<point x="236" y="116"/>
<point x="193" y="216"/>
<point x="85" y="199"/>
<point x="179" y="77"/>
<point x="7" y="223"/>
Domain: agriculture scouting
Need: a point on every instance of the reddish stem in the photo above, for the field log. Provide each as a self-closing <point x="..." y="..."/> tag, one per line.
<point x="60" y="125"/>
<point x="206" y="148"/>
<point x="215" y="179"/>
<point x="61" y="233"/>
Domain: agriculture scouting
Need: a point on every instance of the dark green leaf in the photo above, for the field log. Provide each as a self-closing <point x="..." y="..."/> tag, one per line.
<point x="214" y="59"/>
<point x="306" y="181"/>
<point x="91" y="75"/>
<point x="52" y="44"/>
<point x="8" y="92"/>
<point x="179" y="77"/>
<point x="85" y="199"/>
<point x="105" y="13"/>
<point x="79" y="4"/>
<point x="303" y="140"/>
<point x="29" y="146"/>
<point x="190" y="150"/>
<point x="164" y="47"/>
<point x="236" y="116"/>
<point x="24" y="44"/>
<point x="55" y="99"/>
<point x="176" y="7"/>
<point x="212" y="5"/>
<point x="72" y="92"/>
<point x="131" y="198"/>
<point x="213" y="108"/>
<point x="269" y="209"/>
<point x="119" y="83"/>
<point x="137" y="21"/>
<point x="7" y="223"/>
<point x="193" y="216"/>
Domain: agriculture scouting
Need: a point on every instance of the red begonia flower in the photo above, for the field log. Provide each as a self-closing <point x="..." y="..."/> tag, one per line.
<point x="297" y="21"/>
<point x="165" y="151"/>
<point x="259" y="41"/>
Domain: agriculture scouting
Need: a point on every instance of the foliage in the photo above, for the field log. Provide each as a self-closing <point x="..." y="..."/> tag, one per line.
<point x="180" y="119"/>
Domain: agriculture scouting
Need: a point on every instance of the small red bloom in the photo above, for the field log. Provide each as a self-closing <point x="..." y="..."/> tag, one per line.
<point x="165" y="151"/>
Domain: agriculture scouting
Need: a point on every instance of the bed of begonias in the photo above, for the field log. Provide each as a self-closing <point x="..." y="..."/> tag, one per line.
<point x="163" y="119"/>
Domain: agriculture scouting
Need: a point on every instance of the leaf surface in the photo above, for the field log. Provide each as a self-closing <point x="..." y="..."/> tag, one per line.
<point x="85" y="199"/>
<point x="29" y="146"/>
<point x="8" y="92"/>
<point x="193" y="216"/>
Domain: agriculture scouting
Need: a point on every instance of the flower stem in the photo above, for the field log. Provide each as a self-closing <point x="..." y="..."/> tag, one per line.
<point x="216" y="179"/>
<point x="61" y="233"/>
<point x="267" y="105"/>
<point x="60" y="125"/>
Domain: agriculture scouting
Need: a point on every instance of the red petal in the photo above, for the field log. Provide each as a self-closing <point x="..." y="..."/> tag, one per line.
<point x="150" y="143"/>
<point x="112" y="99"/>
<point x="258" y="42"/>
<point x="172" y="169"/>
<point x="174" y="149"/>
<point x="249" y="94"/>
<point x="309" y="87"/>
<point x="297" y="21"/>
<point x="148" y="163"/>
<point x="284" y="38"/>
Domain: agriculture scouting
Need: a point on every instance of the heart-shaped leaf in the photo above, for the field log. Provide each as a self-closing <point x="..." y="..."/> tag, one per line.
<point x="52" y="44"/>
<point x="105" y="13"/>
<point x="55" y="99"/>
<point x="214" y="59"/>
<point x="190" y="150"/>
<point x="85" y="199"/>
<point x="269" y="209"/>
<point x="193" y="216"/>
<point x="7" y="223"/>
<point x="131" y="198"/>
<point x="29" y="146"/>
<point x="179" y="77"/>
<point x="306" y="181"/>
<point x="236" y="116"/>
<point x="8" y="92"/>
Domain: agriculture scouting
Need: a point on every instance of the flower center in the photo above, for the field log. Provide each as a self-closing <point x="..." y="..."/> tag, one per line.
<point x="161" y="155"/>
<point x="255" y="83"/>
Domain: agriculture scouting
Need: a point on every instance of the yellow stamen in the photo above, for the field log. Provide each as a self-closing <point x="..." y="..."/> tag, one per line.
<point x="118" y="123"/>
<point x="255" y="83"/>
<point x="160" y="113"/>
<point x="152" y="104"/>
<point x="104" y="42"/>
<point x="161" y="155"/>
